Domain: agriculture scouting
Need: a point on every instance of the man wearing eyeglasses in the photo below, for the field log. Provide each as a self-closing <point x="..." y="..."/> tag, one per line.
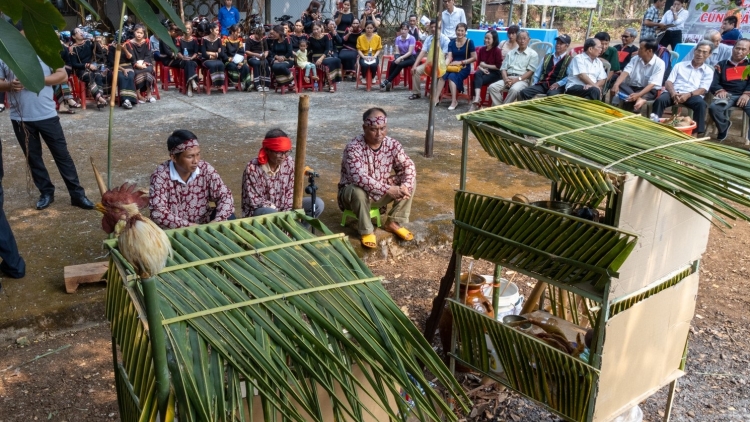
<point x="451" y="17"/>
<point x="687" y="84"/>
<point x="268" y="180"/>
<point x="628" y="49"/>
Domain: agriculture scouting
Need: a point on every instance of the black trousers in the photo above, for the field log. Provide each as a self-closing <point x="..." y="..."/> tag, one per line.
<point x="695" y="103"/>
<point x="540" y="88"/>
<point x="671" y="38"/>
<point x="52" y="133"/>
<point x="397" y="68"/>
<point x="481" y="79"/>
<point x="593" y="93"/>
<point x="12" y="265"/>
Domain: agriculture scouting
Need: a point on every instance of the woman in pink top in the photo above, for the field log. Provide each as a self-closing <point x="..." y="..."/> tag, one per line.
<point x="405" y="44"/>
<point x="490" y="58"/>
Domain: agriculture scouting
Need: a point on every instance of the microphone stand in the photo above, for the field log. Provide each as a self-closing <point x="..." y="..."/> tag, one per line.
<point x="312" y="189"/>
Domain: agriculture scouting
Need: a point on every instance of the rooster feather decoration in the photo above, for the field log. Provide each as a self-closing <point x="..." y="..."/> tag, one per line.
<point x="140" y="240"/>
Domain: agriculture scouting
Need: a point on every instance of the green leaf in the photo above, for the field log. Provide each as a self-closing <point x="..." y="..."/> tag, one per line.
<point x="13" y="8"/>
<point x="14" y="49"/>
<point x="44" y="40"/>
<point x="43" y="11"/>
<point x="143" y="10"/>
<point x="88" y="8"/>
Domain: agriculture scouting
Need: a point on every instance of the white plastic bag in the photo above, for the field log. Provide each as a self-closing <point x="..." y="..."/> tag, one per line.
<point x="634" y="414"/>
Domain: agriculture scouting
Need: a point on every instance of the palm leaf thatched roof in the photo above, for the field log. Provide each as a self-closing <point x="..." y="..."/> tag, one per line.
<point x="587" y="146"/>
<point x="262" y="304"/>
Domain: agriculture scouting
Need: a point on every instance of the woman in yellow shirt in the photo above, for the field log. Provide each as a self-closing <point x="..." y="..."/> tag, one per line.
<point x="369" y="47"/>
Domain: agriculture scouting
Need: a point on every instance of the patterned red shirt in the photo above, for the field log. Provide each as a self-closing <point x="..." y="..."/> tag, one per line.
<point x="174" y="204"/>
<point x="262" y="190"/>
<point x="371" y="170"/>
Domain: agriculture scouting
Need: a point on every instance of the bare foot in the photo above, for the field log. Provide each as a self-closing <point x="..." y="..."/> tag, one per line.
<point x="638" y="104"/>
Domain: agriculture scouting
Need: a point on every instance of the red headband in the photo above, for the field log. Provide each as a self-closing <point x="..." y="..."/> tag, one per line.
<point x="279" y="144"/>
<point x="190" y="143"/>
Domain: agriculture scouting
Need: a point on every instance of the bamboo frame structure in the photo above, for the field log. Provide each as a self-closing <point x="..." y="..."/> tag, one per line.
<point x="262" y="305"/>
<point x="589" y="151"/>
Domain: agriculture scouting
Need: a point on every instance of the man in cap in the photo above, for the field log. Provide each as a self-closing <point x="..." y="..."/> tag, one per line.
<point x="183" y="186"/>
<point x="549" y="78"/>
<point x="641" y="79"/>
<point x="366" y="180"/>
<point x="268" y="180"/>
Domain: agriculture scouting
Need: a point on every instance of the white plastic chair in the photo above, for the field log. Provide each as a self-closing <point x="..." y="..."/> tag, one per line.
<point x="542" y="49"/>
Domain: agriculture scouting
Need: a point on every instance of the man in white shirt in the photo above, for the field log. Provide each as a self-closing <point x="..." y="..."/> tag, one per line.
<point x="451" y="17"/>
<point x="686" y="85"/>
<point x="641" y="78"/>
<point x="517" y="70"/>
<point x="721" y="51"/>
<point x="586" y="75"/>
<point x="419" y="68"/>
<point x="673" y="22"/>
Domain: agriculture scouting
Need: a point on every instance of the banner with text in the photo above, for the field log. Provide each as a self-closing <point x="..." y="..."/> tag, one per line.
<point x="708" y="14"/>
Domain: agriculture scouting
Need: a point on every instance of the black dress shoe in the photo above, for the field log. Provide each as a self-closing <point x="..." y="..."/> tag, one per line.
<point x="82" y="202"/>
<point x="45" y="201"/>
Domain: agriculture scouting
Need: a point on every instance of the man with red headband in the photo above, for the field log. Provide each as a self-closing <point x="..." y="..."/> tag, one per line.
<point x="366" y="179"/>
<point x="268" y="181"/>
<point x="182" y="187"/>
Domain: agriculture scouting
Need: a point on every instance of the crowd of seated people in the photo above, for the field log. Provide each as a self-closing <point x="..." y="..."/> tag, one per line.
<point x="324" y="50"/>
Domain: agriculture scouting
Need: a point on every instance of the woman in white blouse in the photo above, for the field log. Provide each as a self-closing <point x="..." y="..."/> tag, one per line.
<point x="673" y="21"/>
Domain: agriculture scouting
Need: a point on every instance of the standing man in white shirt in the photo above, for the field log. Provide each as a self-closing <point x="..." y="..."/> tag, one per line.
<point x="517" y="70"/>
<point x="674" y="22"/>
<point x="586" y="75"/>
<point x="686" y="85"/>
<point x="451" y="17"/>
<point x="641" y="78"/>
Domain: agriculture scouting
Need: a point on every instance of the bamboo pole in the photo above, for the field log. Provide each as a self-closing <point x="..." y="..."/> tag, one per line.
<point x="98" y="177"/>
<point x="115" y="70"/>
<point x="429" y="139"/>
<point x="182" y="11"/>
<point x="158" y="344"/>
<point x="496" y="280"/>
<point x="299" y="158"/>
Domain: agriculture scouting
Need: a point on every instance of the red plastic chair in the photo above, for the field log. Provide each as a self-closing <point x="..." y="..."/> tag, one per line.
<point x="286" y="86"/>
<point x="578" y="50"/>
<point x="368" y="77"/>
<point x="80" y="89"/>
<point x="299" y="79"/>
<point x="207" y="81"/>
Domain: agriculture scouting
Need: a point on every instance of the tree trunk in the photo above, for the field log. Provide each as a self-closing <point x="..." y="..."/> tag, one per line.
<point x="524" y="14"/>
<point x="468" y="6"/>
<point x="544" y="16"/>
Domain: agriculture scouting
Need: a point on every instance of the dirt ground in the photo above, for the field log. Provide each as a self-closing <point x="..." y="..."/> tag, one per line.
<point x="67" y="376"/>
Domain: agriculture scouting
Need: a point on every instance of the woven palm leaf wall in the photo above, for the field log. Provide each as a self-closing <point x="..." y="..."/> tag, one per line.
<point x="263" y="305"/>
<point x="587" y="145"/>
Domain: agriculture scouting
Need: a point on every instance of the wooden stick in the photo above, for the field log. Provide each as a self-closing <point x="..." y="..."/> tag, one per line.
<point x="98" y="176"/>
<point x="533" y="299"/>
<point x="182" y="11"/>
<point x="299" y="158"/>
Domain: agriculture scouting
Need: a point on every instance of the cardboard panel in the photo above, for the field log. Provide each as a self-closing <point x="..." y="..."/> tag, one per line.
<point x="643" y="347"/>
<point x="671" y="236"/>
<point x="367" y="401"/>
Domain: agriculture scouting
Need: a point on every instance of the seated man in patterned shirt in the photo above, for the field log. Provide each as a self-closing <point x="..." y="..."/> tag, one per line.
<point x="182" y="187"/>
<point x="367" y="182"/>
<point x="268" y="181"/>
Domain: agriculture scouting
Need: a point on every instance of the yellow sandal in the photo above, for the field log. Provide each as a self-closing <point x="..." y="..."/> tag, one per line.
<point x="369" y="241"/>
<point x="402" y="233"/>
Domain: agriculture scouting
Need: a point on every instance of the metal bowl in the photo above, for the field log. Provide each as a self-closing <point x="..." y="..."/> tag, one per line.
<point x="518" y="321"/>
<point x="559" y="206"/>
